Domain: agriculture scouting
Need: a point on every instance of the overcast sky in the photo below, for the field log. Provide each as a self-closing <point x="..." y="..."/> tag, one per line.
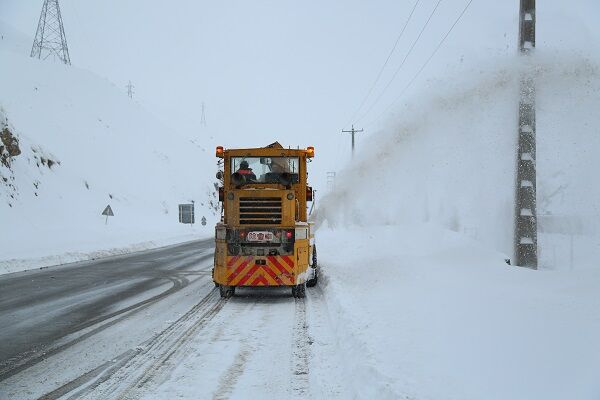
<point x="281" y="70"/>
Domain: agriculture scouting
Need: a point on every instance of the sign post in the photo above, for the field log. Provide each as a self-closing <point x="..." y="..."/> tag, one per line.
<point x="108" y="212"/>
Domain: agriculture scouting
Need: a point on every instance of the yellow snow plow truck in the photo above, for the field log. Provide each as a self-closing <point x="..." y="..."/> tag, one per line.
<point x="264" y="237"/>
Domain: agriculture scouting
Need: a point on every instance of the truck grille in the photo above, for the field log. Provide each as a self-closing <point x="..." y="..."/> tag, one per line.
<point x="260" y="211"/>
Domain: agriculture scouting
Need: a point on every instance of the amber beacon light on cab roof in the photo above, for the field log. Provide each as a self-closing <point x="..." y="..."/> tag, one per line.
<point x="264" y="237"/>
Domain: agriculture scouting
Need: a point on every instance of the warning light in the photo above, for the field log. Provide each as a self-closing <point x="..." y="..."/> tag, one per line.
<point x="220" y="151"/>
<point x="310" y="152"/>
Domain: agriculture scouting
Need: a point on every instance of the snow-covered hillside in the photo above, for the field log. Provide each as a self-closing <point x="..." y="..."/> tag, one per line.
<point x="84" y="145"/>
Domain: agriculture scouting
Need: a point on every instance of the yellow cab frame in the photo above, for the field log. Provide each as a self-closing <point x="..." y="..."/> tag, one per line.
<point x="264" y="237"/>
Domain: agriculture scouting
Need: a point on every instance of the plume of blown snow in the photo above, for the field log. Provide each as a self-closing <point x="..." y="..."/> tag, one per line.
<point x="448" y="156"/>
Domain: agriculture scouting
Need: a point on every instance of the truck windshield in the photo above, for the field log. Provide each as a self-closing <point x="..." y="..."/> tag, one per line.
<point x="266" y="169"/>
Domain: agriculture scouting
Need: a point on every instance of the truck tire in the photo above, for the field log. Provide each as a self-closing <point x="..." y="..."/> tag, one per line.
<point x="312" y="282"/>
<point x="299" y="291"/>
<point x="315" y="278"/>
<point x="226" y="291"/>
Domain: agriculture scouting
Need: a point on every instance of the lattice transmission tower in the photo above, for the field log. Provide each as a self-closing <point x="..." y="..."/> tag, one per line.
<point x="50" y="39"/>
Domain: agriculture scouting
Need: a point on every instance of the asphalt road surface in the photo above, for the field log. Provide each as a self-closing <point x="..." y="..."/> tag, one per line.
<point x="40" y="308"/>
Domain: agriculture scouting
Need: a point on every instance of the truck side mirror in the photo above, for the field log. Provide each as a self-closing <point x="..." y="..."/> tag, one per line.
<point x="220" y="175"/>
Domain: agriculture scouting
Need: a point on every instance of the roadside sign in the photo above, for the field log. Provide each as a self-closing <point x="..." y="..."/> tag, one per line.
<point x="186" y="213"/>
<point x="108" y="212"/>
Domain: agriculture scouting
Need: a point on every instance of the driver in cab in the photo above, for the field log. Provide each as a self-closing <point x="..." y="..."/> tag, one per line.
<point x="246" y="171"/>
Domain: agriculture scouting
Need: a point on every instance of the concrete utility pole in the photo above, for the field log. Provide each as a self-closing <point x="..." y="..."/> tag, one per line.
<point x="130" y="92"/>
<point x="352" y="132"/>
<point x="50" y="39"/>
<point x="203" y="117"/>
<point x="526" y="254"/>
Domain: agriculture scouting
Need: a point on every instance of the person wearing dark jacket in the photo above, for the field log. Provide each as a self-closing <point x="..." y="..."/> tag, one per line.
<point x="246" y="171"/>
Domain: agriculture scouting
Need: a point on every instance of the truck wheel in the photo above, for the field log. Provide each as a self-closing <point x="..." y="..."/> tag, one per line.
<point x="299" y="291"/>
<point x="312" y="282"/>
<point x="226" y="291"/>
<point x="213" y="277"/>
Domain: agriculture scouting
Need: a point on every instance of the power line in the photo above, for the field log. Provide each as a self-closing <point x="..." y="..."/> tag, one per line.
<point x="384" y="64"/>
<point x="414" y="78"/>
<point x="403" y="61"/>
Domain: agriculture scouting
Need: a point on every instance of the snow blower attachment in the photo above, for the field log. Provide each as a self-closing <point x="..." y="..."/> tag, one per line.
<point x="264" y="237"/>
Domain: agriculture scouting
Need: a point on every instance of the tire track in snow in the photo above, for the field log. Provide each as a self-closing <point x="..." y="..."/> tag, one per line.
<point x="112" y="375"/>
<point x="231" y="376"/>
<point x="300" y="352"/>
<point x="160" y="364"/>
<point x="229" y="379"/>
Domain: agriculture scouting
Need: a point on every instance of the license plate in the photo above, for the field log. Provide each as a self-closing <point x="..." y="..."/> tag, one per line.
<point x="260" y="236"/>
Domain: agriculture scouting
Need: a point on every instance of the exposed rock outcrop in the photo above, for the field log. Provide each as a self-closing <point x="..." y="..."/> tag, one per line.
<point x="9" y="147"/>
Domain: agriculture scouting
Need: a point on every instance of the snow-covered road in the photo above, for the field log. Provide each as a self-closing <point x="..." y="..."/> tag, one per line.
<point x="175" y="339"/>
<point x="259" y="344"/>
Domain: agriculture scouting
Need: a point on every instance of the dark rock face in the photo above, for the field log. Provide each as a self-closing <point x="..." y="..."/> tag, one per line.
<point x="9" y="147"/>
<point x="11" y="144"/>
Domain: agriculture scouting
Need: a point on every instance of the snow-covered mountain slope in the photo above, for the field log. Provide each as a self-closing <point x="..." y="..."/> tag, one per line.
<point x="14" y="41"/>
<point x="84" y="144"/>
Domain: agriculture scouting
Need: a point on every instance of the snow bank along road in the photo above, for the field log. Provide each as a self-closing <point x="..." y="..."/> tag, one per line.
<point x="152" y="325"/>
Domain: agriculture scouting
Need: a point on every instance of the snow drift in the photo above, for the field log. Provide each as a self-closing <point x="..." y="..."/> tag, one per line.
<point x="423" y="313"/>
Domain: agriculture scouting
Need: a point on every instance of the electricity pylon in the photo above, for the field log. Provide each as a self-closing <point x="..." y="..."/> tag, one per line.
<point x="50" y="37"/>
